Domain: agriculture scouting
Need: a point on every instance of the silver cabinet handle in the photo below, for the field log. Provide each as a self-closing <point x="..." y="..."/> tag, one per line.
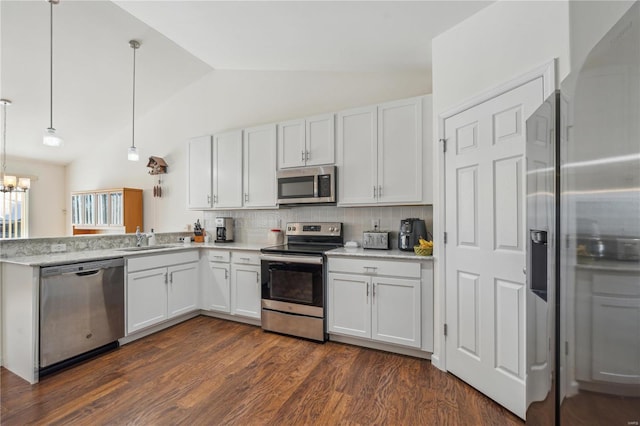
<point x="166" y="278"/>
<point x="245" y="258"/>
<point x="367" y="291"/>
<point x="366" y="268"/>
<point x="171" y="277"/>
<point x="226" y="274"/>
<point x="208" y="199"/>
<point x="246" y="197"/>
<point x="306" y="157"/>
<point x="373" y="290"/>
<point x="302" y="155"/>
<point x="257" y="277"/>
<point x="374" y="191"/>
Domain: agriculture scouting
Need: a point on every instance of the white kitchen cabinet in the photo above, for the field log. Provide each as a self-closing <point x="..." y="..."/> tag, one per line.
<point x="183" y="289"/>
<point x="259" y="183"/>
<point x="306" y="142"/>
<point x="147" y="298"/>
<point x="246" y="297"/>
<point x="232" y="284"/>
<point x="368" y="305"/>
<point x="382" y="155"/>
<point x="160" y="287"/>
<point x="217" y="283"/>
<point x="227" y="169"/>
<point x="200" y="173"/>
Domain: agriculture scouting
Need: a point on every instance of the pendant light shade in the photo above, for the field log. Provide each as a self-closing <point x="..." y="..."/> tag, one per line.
<point x="51" y="138"/>
<point x="132" y="154"/>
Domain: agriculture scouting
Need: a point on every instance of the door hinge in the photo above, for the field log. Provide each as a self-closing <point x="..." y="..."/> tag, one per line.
<point x="445" y="238"/>
<point x="444" y="145"/>
<point x="445" y="330"/>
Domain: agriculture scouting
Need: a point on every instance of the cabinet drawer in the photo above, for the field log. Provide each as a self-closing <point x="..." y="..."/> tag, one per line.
<point x="140" y="263"/>
<point x="245" y="257"/>
<point x="375" y="267"/>
<point x="219" y="256"/>
<point x="617" y="283"/>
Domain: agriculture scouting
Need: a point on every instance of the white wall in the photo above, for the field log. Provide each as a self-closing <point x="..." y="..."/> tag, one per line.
<point x="224" y="100"/>
<point x="47" y="216"/>
<point x="499" y="43"/>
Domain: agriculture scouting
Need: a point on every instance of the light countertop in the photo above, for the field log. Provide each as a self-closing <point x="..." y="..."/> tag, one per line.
<point x="382" y="254"/>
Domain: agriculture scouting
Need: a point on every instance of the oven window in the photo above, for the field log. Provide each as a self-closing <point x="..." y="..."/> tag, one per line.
<point x="297" y="187"/>
<point x="295" y="283"/>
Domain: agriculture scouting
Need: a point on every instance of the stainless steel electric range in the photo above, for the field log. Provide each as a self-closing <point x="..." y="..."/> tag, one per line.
<point x="294" y="279"/>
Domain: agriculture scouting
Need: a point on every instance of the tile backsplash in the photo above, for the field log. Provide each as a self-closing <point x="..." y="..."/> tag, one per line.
<point x="252" y="226"/>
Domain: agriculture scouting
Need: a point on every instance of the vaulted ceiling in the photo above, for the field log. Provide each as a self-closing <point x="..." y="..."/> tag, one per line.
<point x="181" y="42"/>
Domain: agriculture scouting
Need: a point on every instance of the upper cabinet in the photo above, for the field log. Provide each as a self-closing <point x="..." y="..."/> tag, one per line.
<point x="306" y="142"/>
<point x="106" y="211"/>
<point x="384" y="153"/>
<point x="259" y="183"/>
<point x="227" y="169"/>
<point x="199" y="179"/>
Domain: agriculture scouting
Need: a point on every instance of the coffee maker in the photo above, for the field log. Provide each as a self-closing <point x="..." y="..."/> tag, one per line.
<point x="224" y="229"/>
<point x="411" y="230"/>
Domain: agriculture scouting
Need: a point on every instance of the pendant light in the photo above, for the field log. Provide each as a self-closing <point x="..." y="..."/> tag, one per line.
<point x="50" y="137"/>
<point x="9" y="183"/>
<point x="132" y="155"/>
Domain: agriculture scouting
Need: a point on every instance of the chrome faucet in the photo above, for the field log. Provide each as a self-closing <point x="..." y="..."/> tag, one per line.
<point x="139" y="236"/>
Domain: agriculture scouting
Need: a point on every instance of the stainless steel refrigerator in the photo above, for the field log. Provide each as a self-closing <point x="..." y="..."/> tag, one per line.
<point x="583" y="218"/>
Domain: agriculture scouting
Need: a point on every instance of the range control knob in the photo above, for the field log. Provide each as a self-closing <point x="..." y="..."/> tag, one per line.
<point x="288" y="228"/>
<point x="293" y="228"/>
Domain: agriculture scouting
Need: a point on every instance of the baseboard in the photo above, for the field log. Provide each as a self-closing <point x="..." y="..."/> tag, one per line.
<point x="417" y="353"/>
<point x="436" y="362"/>
<point x="158" y="327"/>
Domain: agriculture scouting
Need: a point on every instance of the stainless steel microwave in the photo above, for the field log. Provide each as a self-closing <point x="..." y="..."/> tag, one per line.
<point x="307" y="185"/>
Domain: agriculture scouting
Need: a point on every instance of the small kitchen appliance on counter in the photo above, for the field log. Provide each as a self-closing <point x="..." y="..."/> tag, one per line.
<point x="376" y="240"/>
<point x="224" y="229"/>
<point x="411" y="230"/>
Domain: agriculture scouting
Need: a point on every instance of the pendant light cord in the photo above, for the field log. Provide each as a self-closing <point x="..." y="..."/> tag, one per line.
<point x="51" y="67"/>
<point x="133" y="113"/>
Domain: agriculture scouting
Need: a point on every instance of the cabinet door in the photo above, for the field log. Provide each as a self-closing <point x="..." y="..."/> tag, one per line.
<point x="227" y="169"/>
<point x="146" y="298"/>
<point x="200" y="173"/>
<point x="349" y="304"/>
<point x="616" y="325"/>
<point x="396" y="311"/>
<point x="116" y="208"/>
<point x="183" y="289"/>
<point x="320" y="140"/>
<point x="400" y="165"/>
<point x="357" y="156"/>
<point x="245" y="300"/>
<point x="102" y="209"/>
<point x="76" y="209"/>
<point x="260" y="166"/>
<point x="217" y="291"/>
<point x="291" y="144"/>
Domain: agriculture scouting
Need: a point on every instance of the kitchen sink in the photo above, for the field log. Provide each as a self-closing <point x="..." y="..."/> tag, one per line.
<point x="144" y="248"/>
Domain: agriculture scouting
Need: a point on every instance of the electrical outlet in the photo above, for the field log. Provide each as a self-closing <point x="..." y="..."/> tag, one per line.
<point x="375" y="224"/>
<point x="181" y="239"/>
<point x="58" y="248"/>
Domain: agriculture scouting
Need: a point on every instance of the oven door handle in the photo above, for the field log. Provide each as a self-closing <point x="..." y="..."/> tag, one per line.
<point x="293" y="259"/>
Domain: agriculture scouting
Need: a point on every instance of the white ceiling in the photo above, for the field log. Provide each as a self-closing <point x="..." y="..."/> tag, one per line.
<point x="181" y="42"/>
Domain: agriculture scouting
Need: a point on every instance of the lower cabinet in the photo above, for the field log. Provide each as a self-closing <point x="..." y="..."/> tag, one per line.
<point x="381" y="308"/>
<point x="232" y="284"/>
<point x="157" y="293"/>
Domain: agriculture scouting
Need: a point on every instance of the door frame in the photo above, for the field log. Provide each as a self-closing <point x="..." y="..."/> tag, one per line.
<point x="548" y="73"/>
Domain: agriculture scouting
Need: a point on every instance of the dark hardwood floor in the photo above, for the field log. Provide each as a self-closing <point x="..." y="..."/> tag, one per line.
<point x="208" y="371"/>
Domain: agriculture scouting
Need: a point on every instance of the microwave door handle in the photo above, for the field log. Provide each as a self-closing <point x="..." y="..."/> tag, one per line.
<point x="316" y="179"/>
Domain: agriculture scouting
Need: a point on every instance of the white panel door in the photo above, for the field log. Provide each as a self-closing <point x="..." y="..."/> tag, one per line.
<point x="291" y="144"/>
<point x="357" y="156"/>
<point x="349" y="303"/>
<point x="183" y="289"/>
<point x="217" y="291"/>
<point x="246" y="297"/>
<point x="227" y="169"/>
<point x="396" y="311"/>
<point x="320" y="140"/>
<point x="485" y="254"/>
<point x="146" y="298"/>
<point x="400" y="165"/>
<point x="199" y="173"/>
<point x="260" y="166"/>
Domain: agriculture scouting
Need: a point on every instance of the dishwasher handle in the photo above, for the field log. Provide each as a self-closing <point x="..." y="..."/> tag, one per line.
<point x="84" y="273"/>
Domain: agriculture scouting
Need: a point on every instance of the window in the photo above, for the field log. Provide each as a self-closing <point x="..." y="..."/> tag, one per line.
<point x="14" y="214"/>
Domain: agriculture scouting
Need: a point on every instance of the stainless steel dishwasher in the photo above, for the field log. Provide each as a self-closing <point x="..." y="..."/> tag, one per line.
<point x="81" y="311"/>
